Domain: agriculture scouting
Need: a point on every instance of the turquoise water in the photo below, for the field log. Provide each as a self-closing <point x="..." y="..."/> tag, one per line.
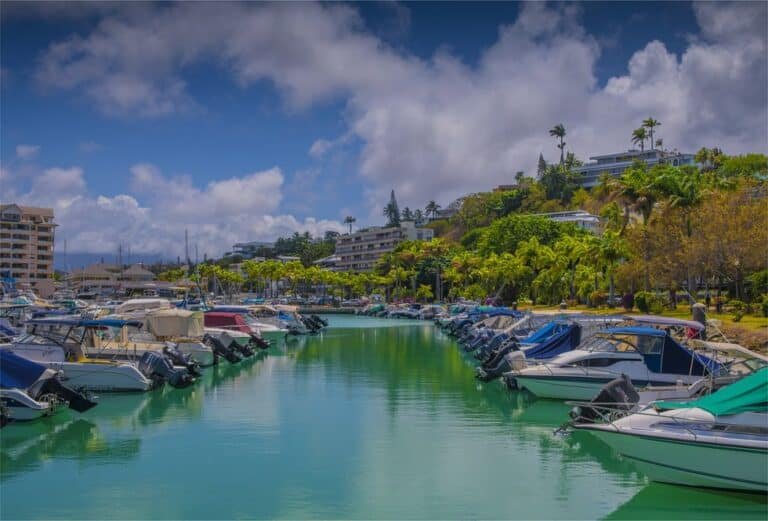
<point x="371" y="419"/>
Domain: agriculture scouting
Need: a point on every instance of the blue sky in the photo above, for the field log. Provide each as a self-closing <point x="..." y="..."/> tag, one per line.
<point x="247" y="121"/>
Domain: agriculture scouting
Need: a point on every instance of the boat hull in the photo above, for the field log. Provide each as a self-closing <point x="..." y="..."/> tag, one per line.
<point x="19" y="406"/>
<point x="561" y="389"/>
<point x="692" y="463"/>
<point x="101" y="377"/>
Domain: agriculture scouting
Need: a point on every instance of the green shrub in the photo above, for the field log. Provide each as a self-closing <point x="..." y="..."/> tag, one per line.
<point x="738" y="308"/>
<point x="648" y="302"/>
<point x="764" y="305"/>
<point x="598" y="299"/>
<point x="642" y="301"/>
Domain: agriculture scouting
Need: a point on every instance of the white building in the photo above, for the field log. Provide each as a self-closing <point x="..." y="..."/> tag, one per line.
<point x="580" y="218"/>
<point x="615" y="164"/>
<point x="359" y="251"/>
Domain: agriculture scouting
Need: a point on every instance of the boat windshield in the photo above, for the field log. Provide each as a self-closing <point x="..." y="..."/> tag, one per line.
<point x="607" y="343"/>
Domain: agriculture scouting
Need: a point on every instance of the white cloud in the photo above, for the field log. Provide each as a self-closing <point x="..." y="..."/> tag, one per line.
<point x="153" y="219"/>
<point x="437" y="128"/>
<point x="27" y="151"/>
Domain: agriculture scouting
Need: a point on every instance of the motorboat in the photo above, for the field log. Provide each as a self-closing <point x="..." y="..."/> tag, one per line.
<point x="29" y="390"/>
<point x="57" y="344"/>
<point x="648" y="356"/>
<point x="267" y="322"/>
<point x="235" y="324"/>
<point x="717" y="441"/>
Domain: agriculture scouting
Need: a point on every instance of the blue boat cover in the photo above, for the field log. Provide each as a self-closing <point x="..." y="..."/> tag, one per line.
<point x="564" y="338"/>
<point x="17" y="372"/>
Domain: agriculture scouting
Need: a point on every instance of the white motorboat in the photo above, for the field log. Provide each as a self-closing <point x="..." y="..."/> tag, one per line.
<point x="717" y="441"/>
<point x="63" y="352"/>
<point x="29" y="390"/>
<point x="648" y="356"/>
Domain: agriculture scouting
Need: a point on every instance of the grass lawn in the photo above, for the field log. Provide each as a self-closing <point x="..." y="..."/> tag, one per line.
<point x="752" y="323"/>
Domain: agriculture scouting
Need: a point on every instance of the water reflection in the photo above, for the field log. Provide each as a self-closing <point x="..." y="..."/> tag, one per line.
<point x="352" y="423"/>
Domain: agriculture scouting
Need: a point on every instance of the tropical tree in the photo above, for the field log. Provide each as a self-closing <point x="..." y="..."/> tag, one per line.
<point x="639" y="135"/>
<point x="431" y="209"/>
<point x="651" y="124"/>
<point x="407" y="214"/>
<point x="392" y="211"/>
<point x="558" y="132"/>
<point x="638" y="186"/>
<point x="424" y="293"/>
<point x="418" y="215"/>
<point x="349" y="220"/>
<point x="608" y="251"/>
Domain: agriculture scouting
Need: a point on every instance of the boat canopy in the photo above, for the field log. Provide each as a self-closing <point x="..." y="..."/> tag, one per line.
<point x="175" y="323"/>
<point x="665" y="321"/>
<point x="17" y="372"/>
<point x="110" y="322"/>
<point x="143" y="304"/>
<point x="750" y="394"/>
<point x="661" y="352"/>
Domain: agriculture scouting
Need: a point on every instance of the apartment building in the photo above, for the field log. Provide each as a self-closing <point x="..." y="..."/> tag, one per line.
<point x="615" y="164"/>
<point x="359" y="251"/>
<point x="26" y="243"/>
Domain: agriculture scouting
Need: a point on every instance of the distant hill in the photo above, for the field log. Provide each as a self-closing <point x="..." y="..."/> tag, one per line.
<point x="74" y="260"/>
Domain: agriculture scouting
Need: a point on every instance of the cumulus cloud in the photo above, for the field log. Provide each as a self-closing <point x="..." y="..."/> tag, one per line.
<point x="154" y="217"/>
<point x="436" y="128"/>
<point x="27" y="151"/>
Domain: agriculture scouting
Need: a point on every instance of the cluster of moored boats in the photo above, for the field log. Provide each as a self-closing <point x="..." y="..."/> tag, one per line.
<point x="685" y="410"/>
<point x="56" y="357"/>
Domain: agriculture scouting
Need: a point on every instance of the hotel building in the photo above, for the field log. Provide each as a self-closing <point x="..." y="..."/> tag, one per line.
<point x="26" y="244"/>
<point x="359" y="251"/>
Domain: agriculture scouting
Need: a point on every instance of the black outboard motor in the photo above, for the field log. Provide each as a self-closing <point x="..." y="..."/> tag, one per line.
<point x="260" y="342"/>
<point x="219" y="349"/>
<point x="498" y="364"/>
<point x="320" y="319"/>
<point x="310" y="324"/>
<point x="182" y="359"/>
<point x="617" y="396"/>
<point x="159" y="368"/>
<point x="76" y="401"/>
<point x="245" y="350"/>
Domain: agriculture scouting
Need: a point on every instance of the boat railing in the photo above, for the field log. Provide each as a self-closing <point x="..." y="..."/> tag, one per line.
<point x="610" y="412"/>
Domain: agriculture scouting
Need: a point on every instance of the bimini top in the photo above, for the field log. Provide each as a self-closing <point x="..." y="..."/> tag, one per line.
<point x="750" y="394"/>
<point x="665" y="321"/>
<point x="17" y="372"/>
<point x="660" y="351"/>
<point x="78" y="322"/>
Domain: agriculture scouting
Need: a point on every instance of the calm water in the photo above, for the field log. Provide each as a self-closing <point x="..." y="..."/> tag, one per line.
<point x="373" y="419"/>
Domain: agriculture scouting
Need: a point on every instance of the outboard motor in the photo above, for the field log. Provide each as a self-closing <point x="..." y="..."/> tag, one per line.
<point x="310" y="324"/>
<point x="320" y="319"/>
<point x="498" y="364"/>
<point x="76" y="401"/>
<point x="260" y="342"/>
<point x="219" y="349"/>
<point x="182" y="359"/>
<point x="159" y="369"/>
<point x="245" y="350"/>
<point x="617" y="396"/>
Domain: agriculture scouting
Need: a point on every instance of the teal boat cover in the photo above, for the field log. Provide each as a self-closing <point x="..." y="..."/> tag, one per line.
<point x="750" y="394"/>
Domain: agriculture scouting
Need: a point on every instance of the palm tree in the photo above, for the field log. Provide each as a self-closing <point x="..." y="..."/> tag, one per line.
<point x="639" y="187"/>
<point x="639" y="135"/>
<point x="418" y="216"/>
<point x="407" y="214"/>
<point x="349" y="220"/>
<point x="431" y="209"/>
<point x="650" y="124"/>
<point x="558" y="132"/>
